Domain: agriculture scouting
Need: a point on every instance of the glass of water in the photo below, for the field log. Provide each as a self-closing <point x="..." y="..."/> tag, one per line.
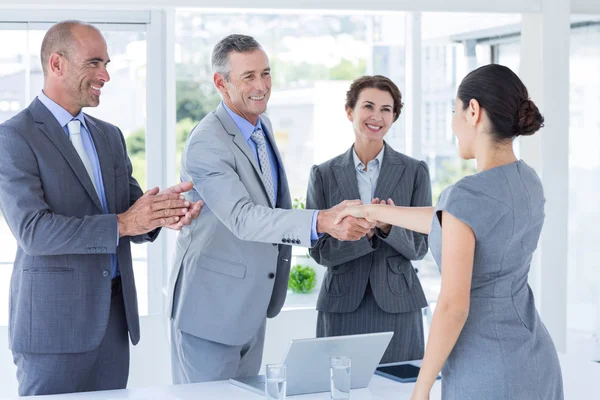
<point x="340" y="377"/>
<point x="275" y="382"/>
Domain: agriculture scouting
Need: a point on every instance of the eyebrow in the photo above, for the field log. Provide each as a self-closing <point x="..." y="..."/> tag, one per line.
<point x="370" y="102"/>
<point x="252" y="71"/>
<point x="99" y="59"/>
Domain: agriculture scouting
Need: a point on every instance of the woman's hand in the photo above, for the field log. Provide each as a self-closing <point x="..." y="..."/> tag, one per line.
<point x="352" y="211"/>
<point x="385" y="228"/>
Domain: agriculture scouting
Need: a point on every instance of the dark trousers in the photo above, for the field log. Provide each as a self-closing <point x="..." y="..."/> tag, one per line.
<point x="104" y="368"/>
<point x="408" y="342"/>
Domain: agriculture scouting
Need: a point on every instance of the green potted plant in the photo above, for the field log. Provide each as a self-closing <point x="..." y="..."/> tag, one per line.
<point x="298" y="203"/>
<point x="302" y="279"/>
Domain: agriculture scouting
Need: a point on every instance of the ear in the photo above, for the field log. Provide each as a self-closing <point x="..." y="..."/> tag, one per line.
<point x="349" y="114"/>
<point x="56" y="64"/>
<point x="474" y="112"/>
<point x="220" y="83"/>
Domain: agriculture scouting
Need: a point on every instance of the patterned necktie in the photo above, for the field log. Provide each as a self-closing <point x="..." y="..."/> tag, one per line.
<point x="74" y="128"/>
<point x="258" y="137"/>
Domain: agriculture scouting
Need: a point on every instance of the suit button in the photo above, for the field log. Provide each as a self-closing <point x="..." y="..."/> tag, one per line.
<point x="417" y="270"/>
<point x="271" y="275"/>
<point x="336" y="268"/>
<point x="297" y="241"/>
<point x="275" y="244"/>
<point x="105" y="273"/>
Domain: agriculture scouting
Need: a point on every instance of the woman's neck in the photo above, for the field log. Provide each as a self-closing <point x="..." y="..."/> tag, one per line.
<point x="495" y="155"/>
<point x="367" y="150"/>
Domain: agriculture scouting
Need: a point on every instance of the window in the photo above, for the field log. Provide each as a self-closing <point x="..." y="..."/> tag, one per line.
<point x="314" y="56"/>
<point x="583" y="296"/>
<point x="123" y="103"/>
<point x="453" y="45"/>
<point x="13" y="68"/>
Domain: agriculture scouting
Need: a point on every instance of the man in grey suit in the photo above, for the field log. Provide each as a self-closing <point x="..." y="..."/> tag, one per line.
<point x="231" y="268"/>
<point x="69" y="198"/>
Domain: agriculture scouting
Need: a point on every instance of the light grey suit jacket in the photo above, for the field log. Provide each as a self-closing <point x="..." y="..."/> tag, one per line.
<point x="232" y="265"/>
<point x="60" y="289"/>
<point x="384" y="261"/>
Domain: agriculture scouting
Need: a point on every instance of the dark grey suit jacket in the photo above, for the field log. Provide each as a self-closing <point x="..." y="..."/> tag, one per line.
<point x="383" y="260"/>
<point x="60" y="288"/>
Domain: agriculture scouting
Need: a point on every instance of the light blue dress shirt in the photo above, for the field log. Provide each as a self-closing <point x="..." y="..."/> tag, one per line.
<point x="367" y="180"/>
<point x="64" y="117"/>
<point x="246" y="129"/>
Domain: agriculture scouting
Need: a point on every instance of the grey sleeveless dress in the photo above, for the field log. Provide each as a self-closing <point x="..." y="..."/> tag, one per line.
<point x="504" y="350"/>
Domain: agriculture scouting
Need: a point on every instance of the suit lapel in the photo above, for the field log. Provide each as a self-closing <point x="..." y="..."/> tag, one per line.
<point x="106" y="163"/>
<point x="392" y="169"/>
<point x="345" y="174"/>
<point x="238" y="139"/>
<point x="52" y="129"/>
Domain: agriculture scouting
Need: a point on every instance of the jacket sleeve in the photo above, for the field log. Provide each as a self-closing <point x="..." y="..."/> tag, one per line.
<point x="211" y="165"/>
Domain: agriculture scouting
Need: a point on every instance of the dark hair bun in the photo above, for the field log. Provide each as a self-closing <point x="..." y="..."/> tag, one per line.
<point x="529" y="119"/>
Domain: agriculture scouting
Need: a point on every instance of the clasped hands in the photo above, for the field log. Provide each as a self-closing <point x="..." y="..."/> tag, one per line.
<point x="349" y="220"/>
<point x="167" y="208"/>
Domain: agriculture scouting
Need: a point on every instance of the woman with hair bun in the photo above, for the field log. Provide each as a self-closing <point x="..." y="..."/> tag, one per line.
<point x="486" y="335"/>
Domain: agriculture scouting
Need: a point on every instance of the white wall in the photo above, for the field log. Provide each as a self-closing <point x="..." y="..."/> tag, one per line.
<point x="150" y="359"/>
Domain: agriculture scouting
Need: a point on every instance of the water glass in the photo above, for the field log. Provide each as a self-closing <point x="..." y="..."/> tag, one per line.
<point x="340" y="377"/>
<point x="275" y="383"/>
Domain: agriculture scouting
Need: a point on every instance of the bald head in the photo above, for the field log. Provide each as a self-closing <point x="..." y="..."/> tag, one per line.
<point x="61" y="39"/>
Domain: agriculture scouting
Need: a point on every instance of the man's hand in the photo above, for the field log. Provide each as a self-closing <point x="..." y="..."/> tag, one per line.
<point x="151" y="211"/>
<point x="385" y="228"/>
<point x="350" y="228"/>
<point x="194" y="208"/>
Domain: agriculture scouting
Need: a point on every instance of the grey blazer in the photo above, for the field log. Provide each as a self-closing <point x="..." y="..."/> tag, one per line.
<point x="60" y="288"/>
<point x="383" y="260"/>
<point x="232" y="267"/>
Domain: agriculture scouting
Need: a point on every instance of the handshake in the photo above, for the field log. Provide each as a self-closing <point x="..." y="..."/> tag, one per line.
<point x="167" y="208"/>
<point x="349" y="221"/>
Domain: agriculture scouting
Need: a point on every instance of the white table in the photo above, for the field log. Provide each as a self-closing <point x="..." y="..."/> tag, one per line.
<point x="581" y="379"/>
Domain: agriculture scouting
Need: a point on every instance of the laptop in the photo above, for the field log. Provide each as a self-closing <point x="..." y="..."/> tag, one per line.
<point x="307" y="362"/>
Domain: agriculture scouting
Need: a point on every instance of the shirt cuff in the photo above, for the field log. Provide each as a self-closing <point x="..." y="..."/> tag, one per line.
<point x="118" y="233"/>
<point x="313" y="232"/>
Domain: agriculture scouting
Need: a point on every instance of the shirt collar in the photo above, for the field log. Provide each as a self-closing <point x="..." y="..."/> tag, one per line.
<point x="245" y="127"/>
<point x="377" y="161"/>
<point x="62" y="116"/>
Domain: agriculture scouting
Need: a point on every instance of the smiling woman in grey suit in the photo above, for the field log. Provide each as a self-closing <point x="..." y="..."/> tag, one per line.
<point x="370" y="285"/>
<point x="486" y="332"/>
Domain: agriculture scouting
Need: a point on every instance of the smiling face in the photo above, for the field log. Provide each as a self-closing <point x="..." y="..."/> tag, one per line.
<point x="78" y="79"/>
<point x="249" y="86"/>
<point x="372" y="115"/>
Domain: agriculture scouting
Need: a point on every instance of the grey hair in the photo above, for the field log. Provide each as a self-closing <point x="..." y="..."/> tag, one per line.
<point x="60" y="39"/>
<point x="234" y="42"/>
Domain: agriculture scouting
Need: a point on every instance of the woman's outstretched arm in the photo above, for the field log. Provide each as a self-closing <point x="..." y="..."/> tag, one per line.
<point x="416" y="219"/>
